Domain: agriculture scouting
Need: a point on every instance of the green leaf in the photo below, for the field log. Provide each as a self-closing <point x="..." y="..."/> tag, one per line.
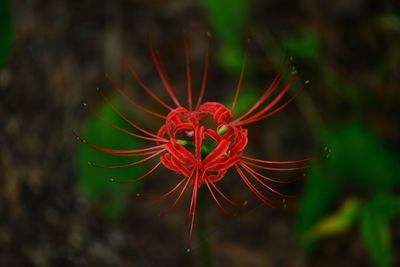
<point x="338" y="222"/>
<point x="375" y="230"/>
<point x="227" y="19"/>
<point x="95" y="182"/>
<point x="247" y="98"/>
<point x="318" y="196"/>
<point x="360" y="158"/>
<point x="389" y="22"/>
<point x="5" y="32"/>
<point x="305" y="46"/>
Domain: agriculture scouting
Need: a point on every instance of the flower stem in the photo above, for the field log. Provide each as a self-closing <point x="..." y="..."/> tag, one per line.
<point x="205" y="253"/>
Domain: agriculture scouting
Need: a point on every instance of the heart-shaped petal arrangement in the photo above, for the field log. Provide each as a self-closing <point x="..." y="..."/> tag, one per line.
<point x="194" y="147"/>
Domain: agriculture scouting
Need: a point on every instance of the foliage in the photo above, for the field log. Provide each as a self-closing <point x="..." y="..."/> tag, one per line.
<point x="95" y="182"/>
<point x="305" y="46"/>
<point x="227" y="19"/>
<point x="358" y="159"/>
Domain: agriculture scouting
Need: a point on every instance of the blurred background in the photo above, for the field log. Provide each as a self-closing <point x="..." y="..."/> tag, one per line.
<point x="57" y="210"/>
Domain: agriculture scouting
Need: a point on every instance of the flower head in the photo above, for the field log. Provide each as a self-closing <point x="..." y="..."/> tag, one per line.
<point x="199" y="151"/>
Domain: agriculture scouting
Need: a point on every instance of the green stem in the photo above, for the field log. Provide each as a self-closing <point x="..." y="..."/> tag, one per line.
<point x="205" y="253"/>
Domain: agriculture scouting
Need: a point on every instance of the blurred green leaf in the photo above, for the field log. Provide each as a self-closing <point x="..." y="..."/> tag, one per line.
<point x="5" y="31"/>
<point x="247" y="98"/>
<point x="227" y="18"/>
<point x="360" y="158"/>
<point x="338" y="222"/>
<point x="389" y="22"/>
<point x="306" y="46"/>
<point x="318" y="196"/>
<point x="95" y="182"/>
<point x="375" y="230"/>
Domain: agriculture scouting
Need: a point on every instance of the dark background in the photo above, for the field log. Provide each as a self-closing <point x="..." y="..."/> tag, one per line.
<point x="348" y="49"/>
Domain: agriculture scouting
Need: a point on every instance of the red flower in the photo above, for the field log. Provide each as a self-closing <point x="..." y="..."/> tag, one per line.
<point x="201" y="153"/>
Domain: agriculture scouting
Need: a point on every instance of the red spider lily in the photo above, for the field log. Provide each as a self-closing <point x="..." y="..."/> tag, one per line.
<point x="202" y="154"/>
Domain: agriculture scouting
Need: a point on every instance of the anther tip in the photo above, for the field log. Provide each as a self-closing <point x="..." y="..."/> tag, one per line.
<point x="188" y="250"/>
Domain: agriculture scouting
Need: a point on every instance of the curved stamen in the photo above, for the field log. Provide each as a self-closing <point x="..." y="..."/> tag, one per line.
<point x="180" y="194"/>
<point x="216" y="199"/>
<point x="128" y="132"/>
<point x="117" y="152"/>
<point x="261" y="196"/>
<point x="277" y="168"/>
<point x="266" y="94"/>
<point x="266" y="177"/>
<point x="239" y="84"/>
<point x="128" y="164"/>
<point x="146" y="88"/>
<point x="108" y="101"/>
<point x="281" y="162"/>
<point x="268" y="187"/>
<point x="188" y="75"/>
<point x="271" y="104"/>
<point x="193" y="204"/>
<point x="205" y="72"/>
<point x="132" y="102"/>
<point x="162" y="74"/>
<point x="223" y="195"/>
<point x="273" y="111"/>
<point x="163" y="196"/>
<point x="139" y="178"/>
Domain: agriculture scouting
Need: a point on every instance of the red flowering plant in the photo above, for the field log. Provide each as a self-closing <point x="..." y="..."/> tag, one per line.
<point x="199" y="152"/>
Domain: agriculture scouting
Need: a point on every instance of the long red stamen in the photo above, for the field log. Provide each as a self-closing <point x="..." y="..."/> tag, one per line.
<point x="117" y="152"/>
<point x="188" y="75"/>
<point x="205" y="72"/>
<point x="163" y="196"/>
<point x="180" y="194"/>
<point x="258" y="194"/>
<point x="277" y="168"/>
<point x="267" y="186"/>
<point x="216" y="199"/>
<point x="239" y="84"/>
<point x="139" y="178"/>
<point x="193" y="205"/>
<point x="128" y="164"/>
<point x="108" y="101"/>
<point x="273" y="111"/>
<point x="224" y="196"/>
<point x="146" y="88"/>
<point x="271" y="104"/>
<point x="281" y="162"/>
<point x="128" y="132"/>
<point x="162" y="75"/>
<point x="266" y="94"/>
<point x="132" y="102"/>
<point x="266" y="177"/>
